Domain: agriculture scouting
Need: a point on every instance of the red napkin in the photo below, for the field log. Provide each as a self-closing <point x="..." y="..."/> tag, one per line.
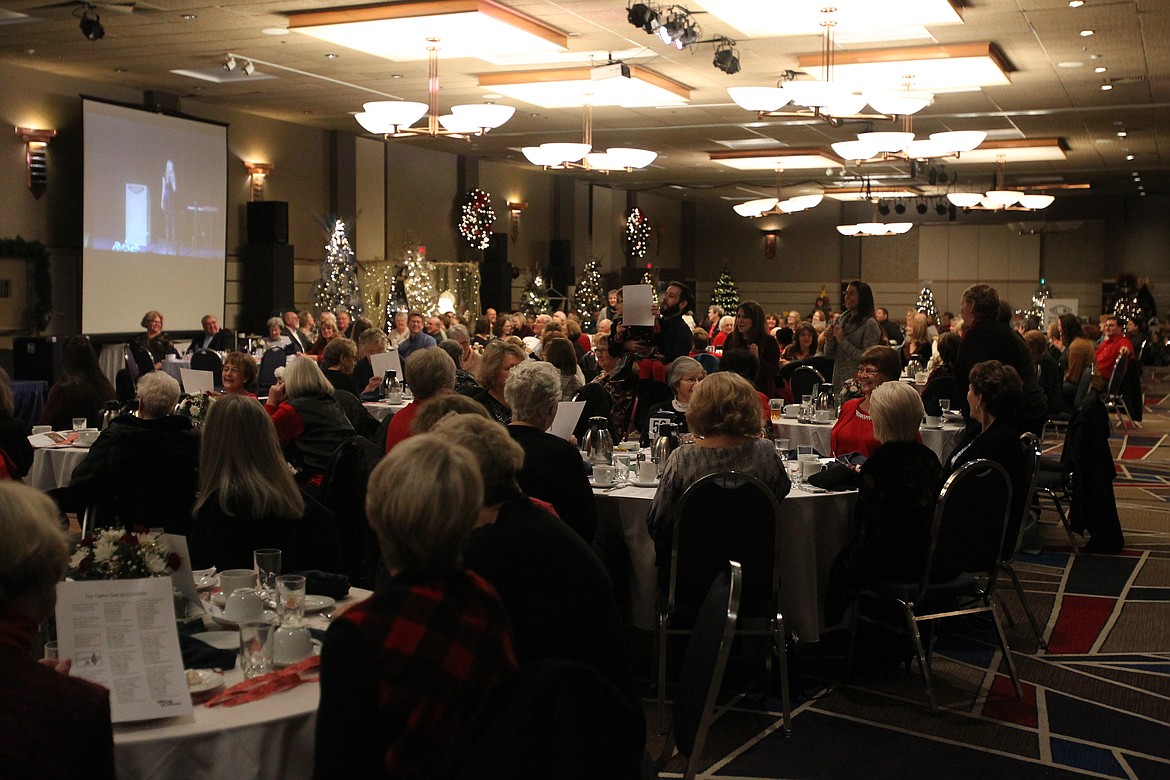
<point x="268" y="684"/>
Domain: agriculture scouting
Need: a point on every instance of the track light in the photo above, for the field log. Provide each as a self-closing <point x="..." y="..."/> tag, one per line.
<point x="899" y="208"/>
<point x="248" y="68"/>
<point x="91" y="24"/>
<point x="884" y="209"/>
<point x="642" y="15"/>
<point x="940" y="209"/>
<point x="921" y="207"/>
<point x="229" y="63"/>
<point x="726" y="57"/>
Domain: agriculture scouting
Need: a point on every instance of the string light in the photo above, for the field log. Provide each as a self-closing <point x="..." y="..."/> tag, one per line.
<point x="477" y="219"/>
<point x="419" y="283"/>
<point x="637" y="233"/>
<point x="338" y="286"/>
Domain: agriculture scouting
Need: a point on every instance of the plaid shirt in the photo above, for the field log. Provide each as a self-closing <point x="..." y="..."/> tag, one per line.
<point x="403" y="673"/>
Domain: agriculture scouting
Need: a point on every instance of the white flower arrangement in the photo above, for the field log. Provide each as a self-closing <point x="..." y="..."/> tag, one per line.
<point x="117" y="554"/>
<point x="194" y="407"/>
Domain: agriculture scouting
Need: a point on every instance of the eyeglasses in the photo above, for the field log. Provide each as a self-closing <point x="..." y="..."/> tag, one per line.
<point x="867" y="371"/>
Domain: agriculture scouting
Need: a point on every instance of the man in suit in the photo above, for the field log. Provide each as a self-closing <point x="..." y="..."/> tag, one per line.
<point x="292" y="329"/>
<point x="214" y="337"/>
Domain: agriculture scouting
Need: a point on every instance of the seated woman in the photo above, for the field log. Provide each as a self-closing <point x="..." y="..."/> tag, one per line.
<point x="239" y="372"/>
<point x="900" y="483"/>
<point x="499" y="357"/>
<point x="308" y="327"/>
<point x="940" y="383"/>
<point x="724" y="416"/>
<point x="309" y="423"/>
<point x="804" y="344"/>
<point x="154" y="340"/>
<point x="853" y="431"/>
<point x="371" y="342"/>
<point x="993" y="397"/>
<point x="552" y="470"/>
<point x="1079" y="353"/>
<point x="685" y="374"/>
<point x="404" y="672"/>
<point x="276" y="338"/>
<point x="143" y="468"/>
<point x="51" y="725"/>
<point x="81" y="390"/>
<point x="916" y="349"/>
<point x="14" y="442"/>
<point x="326" y="332"/>
<point x="432" y="374"/>
<point x="338" y="361"/>
<point x="1047" y="370"/>
<point x="559" y="352"/>
<point x="517" y="544"/>
<point x="483" y="332"/>
<point x="248" y="499"/>
<point x="724" y="329"/>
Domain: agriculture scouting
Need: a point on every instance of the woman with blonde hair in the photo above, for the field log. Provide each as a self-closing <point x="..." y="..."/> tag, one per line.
<point x="309" y="422"/>
<point x="499" y="358"/>
<point x="248" y="498"/>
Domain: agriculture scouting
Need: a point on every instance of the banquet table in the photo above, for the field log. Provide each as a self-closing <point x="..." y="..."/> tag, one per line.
<point x="380" y="410"/>
<point x="814" y="527"/>
<point x="940" y="440"/>
<point x="269" y="738"/>
<point x="52" y="467"/>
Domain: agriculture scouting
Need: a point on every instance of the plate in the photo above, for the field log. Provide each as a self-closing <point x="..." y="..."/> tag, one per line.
<point x="79" y="445"/>
<point x="638" y="483"/>
<point x="208" y="680"/>
<point x="318" y="603"/>
<point x="220" y="640"/>
<point x="932" y="427"/>
<point x="217" y="616"/>
<point x="606" y="485"/>
<point x="205" y="579"/>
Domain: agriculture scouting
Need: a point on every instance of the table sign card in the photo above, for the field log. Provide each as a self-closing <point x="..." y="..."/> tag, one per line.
<point x="182" y="579"/>
<point x="636" y="302"/>
<point x="196" y="380"/>
<point x="121" y="635"/>
<point x="382" y="362"/>
<point x="568" y="413"/>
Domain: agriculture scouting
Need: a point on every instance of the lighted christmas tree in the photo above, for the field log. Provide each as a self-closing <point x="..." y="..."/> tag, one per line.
<point x="725" y="295"/>
<point x="926" y="301"/>
<point x="637" y="233"/>
<point x="1125" y="299"/>
<point x="419" y="283"/>
<point x="650" y="277"/>
<point x="534" y="299"/>
<point x="589" y="295"/>
<point x="338" y="286"/>
<point x="1039" y="301"/>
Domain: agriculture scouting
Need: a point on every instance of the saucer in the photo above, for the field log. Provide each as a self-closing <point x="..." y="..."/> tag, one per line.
<point x="932" y="427"/>
<point x="200" y="681"/>
<point x="605" y="485"/>
<point x="79" y="445"/>
<point x="217" y="616"/>
<point x="318" y="603"/>
<point x="639" y="483"/>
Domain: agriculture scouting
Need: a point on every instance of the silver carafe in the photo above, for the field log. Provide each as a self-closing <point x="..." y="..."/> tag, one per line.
<point x="598" y="443"/>
<point x="666" y="443"/>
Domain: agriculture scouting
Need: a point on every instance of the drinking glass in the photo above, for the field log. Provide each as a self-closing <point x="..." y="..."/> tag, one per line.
<point x="267" y="563"/>
<point x="944" y="404"/>
<point x="805" y="452"/>
<point x="255" y="649"/>
<point x="807" y="405"/>
<point x="794" y="470"/>
<point x="290" y="599"/>
<point x="776" y="407"/>
<point x="51" y="650"/>
<point x="79" y="423"/>
<point x="782" y="447"/>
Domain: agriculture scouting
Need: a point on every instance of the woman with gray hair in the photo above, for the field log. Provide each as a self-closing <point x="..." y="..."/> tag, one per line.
<point x="685" y="374"/>
<point x="432" y="374"/>
<point x="553" y="470"/>
<point x="900" y="483"/>
<point x="51" y="724"/>
<point x="309" y="422"/>
<point x="276" y="339"/>
<point x="127" y="457"/>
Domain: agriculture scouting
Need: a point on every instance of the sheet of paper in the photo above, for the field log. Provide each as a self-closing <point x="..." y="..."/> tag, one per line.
<point x="52" y="439"/>
<point x="382" y="362"/>
<point x="182" y="578"/>
<point x="568" y="413"/>
<point x="636" y="302"/>
<point x="197" y="381"/>
<point x="121" y="635"/>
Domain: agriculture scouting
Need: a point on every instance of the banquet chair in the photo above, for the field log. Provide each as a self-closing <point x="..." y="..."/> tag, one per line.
<point x="702" y="670"/>
<point x="805" y="381"/>
<point x="343" y="492"/>
<point x="271" y="360"/>
<point x="1059" y="422"/>
<point x="208" y="360"/>
<point x="725" y="516"/>
<point x="1115" y="394"/>
<point x="966" y="535"/>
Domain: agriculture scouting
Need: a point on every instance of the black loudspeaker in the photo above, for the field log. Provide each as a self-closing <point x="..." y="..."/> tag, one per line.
<point x="267" y="271"/>
<point x="560" y="264"/>
<point x="36" y="358"/>
<point x="495" y="275"/>
<point x="267" y="222"/>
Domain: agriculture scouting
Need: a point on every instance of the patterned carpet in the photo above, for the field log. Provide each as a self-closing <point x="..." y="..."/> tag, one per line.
<point x="1096" y="701"/>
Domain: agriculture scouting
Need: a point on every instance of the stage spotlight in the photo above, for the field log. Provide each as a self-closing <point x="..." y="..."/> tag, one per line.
<point x="940" y="209"/>
<point x="726" y="58"/>
<point x="248" y="68"/>
<point x="884" y="209"/>
<point x="921" y="207"/>
<point x="673" y="28"/>
<point x="900" y="208"/>
<point x="229" y="63"/>
<point x="91" y="24"/>
<point x="642" y="15"/>
<point x="688" y="37"/>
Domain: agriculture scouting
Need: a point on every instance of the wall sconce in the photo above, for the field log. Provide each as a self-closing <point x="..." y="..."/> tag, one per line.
<point x="771" y="240"/>
<point x="36" y="155"/>
<point x="258" y="172"/>
<point x="515" y="210"/>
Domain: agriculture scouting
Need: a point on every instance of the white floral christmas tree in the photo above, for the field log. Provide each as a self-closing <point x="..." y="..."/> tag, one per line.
<point x="725" y="295"/>
<point x="338" y="286"/>
<point x="589" y="296"/>
<point x="926" y="301"/>
<point x="534" y="299"/>
<point x="419" y="283"/>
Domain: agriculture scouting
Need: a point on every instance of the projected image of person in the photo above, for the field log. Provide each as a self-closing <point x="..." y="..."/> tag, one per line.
<point x="169" y="208"/>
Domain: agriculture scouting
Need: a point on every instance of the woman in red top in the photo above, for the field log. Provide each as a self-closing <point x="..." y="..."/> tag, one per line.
<point x="239" y="371"/>
<point x="854" y="429"/>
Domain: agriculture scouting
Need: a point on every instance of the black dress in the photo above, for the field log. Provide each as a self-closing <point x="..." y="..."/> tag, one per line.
<point x="554" y="472"/>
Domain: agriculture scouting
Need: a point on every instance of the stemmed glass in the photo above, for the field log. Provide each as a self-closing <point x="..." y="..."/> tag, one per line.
<point x="795" y="468"/>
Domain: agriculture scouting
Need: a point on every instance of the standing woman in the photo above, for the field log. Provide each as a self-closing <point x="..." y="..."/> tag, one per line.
<point x="854" y="331"/>
<point x="751" y="334"/>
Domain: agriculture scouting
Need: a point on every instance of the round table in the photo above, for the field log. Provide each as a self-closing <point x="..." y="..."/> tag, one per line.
<point x="380" y="410"/>
<point x="940" y="440"/>
<point x="52" y="467"/>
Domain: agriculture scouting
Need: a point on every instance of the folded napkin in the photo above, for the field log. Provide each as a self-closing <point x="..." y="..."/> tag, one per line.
<point x="323" y="583"/>
<point x="267" y="684"/>
<point x="197" y="654"/>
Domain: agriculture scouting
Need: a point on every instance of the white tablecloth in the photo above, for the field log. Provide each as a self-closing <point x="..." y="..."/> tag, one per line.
<point x="269" y="738"/>
<point x="814" y="528"/>
<point x="941" y="440"/>
<point x="380" y="410"/>
<point x="172" y="367"/>
<point x="52" y="467"/>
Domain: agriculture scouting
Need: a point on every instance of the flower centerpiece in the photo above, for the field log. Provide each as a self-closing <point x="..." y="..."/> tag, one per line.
<point x="194" y="407"/>
<point x="117" y="554"/>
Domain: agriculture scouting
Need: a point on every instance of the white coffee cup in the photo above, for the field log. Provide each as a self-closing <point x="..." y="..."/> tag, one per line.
<point x="231" y="580"/>
<point x="933" y="422"/>
<point x="244" y="606"/>
<point x="647" y="471"/>
<point x="87" y="436"/>
<point x="604" y="475"/>
<point x="810" y="467"/>
<point x="920" y="377"/>
<point x="291" y="644"/>
<point x="792" y="410"/>
<point x="825" y="415"/>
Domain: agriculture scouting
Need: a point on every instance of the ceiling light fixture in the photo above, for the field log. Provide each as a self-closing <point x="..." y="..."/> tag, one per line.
<point x="726" y="57"/>
<point x="790" y="158"/>
<point x="1000" y="198"/>
<point x="229" y="63"/>
<point x="643" y="16"/>
<point x="393" y="118"/>
<point x="248" y="68"/>
<point x="612" y="84"/>
<point x="560" y="156"/>
<point x="91" y="23"/>
<point x="766" y="207"/>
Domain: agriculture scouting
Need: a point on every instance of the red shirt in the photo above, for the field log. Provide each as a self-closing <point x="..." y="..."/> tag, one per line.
<point x="399" y="427"/>
<point x="1107" y="354"/>
<point x="853" y="431"/>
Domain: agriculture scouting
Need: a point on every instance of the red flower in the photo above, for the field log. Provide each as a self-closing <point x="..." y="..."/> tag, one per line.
<point x="85" y="564"/>
<point x="129" y="539"/>
<point x="174" y="562"/>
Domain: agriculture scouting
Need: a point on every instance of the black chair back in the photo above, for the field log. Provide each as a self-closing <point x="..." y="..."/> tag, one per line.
<point x="271" y="360"/>
<point x="343" y="491"/>
<point x="805" y="381"/>
<point x="207" y="360"/>
<point x="1117" y="380"/>
<point x="1083" y="386"/>
<point x="969" y="524"/>
<point x="142" y="359"/>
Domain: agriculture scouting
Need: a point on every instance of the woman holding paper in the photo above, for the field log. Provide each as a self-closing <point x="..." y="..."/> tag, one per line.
<point x="51" y="725"/>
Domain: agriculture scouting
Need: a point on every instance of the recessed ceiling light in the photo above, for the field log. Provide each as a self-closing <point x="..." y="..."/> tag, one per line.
<point x="1086" y="33"/>
<point x="190" y="17"/>
<point x="332" y="56"/>
<point x="1099" y="69"/>
<point x="1075" y="3"/>
<point x="396" y="75"/>
<point x="1129" y="157"/>
<point x="275" y="31"/>
<point x="1122" y="134"/>
<point x="1070" y="64"/>
<point x="1106" y="87"/>
<point x="1137" y="178"/>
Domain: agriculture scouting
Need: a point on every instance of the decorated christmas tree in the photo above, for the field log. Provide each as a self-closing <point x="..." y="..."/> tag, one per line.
<point x="650" y="277"/>
<point x="926" y="301"/>
<point x="338" y="286"/>
<point x="589" y="296"/>
<point x="637" y="233"/>
<point x="419" y="283"/>
<point x="1039" y="301"/>
<point x="725" y="296"/>
<point x="476" y="219"/>
<point x="534" y="299"/>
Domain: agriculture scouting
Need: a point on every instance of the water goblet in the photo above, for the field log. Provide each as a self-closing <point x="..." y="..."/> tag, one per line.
<point x="79" y="423"/>
<point x="794" y="468"/>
